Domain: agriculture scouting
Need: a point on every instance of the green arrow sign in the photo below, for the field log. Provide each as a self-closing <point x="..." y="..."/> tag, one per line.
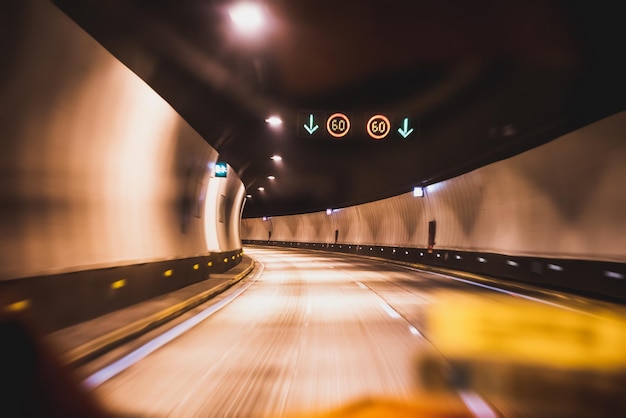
<point x="311" y="127"/>
<point x="404" y="130"/>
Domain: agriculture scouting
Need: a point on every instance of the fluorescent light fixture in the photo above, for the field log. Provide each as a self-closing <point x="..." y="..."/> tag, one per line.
<point x="418" y="192"/>
<point x="248" y="18"/>
<point x="271" y="178"/>
<point x="274" y="121"/>
<point x="276" y="158"/>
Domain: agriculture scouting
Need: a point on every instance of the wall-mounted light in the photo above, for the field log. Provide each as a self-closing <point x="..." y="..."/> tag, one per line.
<point x="329" y="211"/>
<point x="418" y="192"/>
<point x="431" y="188"/>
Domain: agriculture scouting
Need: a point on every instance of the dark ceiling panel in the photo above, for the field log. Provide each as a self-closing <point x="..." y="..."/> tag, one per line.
<point x="480" y="81"/>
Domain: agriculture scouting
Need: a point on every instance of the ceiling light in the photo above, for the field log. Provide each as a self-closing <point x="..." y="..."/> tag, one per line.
<point x="271" y="178"/>
<point x="248" y="18"/>
<point x="274" y="121"/>
<point x="276" y="158"/>
<point x="261" y="189"/>
<point x="248" y="196"/>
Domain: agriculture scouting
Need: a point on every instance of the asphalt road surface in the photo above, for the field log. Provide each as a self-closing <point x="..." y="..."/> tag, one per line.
<point x="308" y="333"/>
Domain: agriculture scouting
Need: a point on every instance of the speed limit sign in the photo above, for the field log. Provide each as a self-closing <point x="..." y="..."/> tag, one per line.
<point x="378" y="127"/>
<point x="338" y="125"/>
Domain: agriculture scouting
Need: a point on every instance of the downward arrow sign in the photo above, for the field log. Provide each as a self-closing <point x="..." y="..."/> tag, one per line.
<point x="310" y="128"/>
<point x="405" y="131"/>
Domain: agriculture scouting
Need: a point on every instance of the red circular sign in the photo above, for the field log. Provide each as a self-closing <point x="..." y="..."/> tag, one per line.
<point x="338" y="125"/>
<point x="378" y="126"/>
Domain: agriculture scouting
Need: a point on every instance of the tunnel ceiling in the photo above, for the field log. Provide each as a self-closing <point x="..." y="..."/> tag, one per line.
<point x="477" y="81"/>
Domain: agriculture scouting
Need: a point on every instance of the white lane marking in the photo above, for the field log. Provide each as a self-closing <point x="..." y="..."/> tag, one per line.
<point x="477" y="406"/>
<point x="386" y="307"/>
<point x="390" y="311"/>
<point x="414" y="331"/>
<point x="511" y="293"/>
<point x="117" y="367"/>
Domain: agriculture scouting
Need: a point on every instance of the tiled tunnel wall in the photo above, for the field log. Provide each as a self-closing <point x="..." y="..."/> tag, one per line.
<point x="100" y="178"/>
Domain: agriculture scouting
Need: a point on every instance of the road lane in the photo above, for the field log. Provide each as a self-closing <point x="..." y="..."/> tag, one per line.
<point x="317" y="331"/>
<point x="303" y="337"/>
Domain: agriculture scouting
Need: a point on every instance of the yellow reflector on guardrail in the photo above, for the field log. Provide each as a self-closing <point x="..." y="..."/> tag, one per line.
<point x="118" y="284"/>
<point x="18" y="306"/>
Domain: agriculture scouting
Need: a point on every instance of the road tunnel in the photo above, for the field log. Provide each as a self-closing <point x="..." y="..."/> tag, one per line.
<point x="196" y="222"/>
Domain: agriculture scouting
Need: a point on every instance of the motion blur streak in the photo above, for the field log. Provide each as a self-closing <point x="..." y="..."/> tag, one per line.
<point x="508" y="292"/>
<point x="303" y="340"/>
<point x="478" y="407"/>
<point x="142" y="352"/>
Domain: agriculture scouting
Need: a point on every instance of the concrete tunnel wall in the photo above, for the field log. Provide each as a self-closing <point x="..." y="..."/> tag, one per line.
<point x="98" y="171"/>
<point x="563" y="200"/>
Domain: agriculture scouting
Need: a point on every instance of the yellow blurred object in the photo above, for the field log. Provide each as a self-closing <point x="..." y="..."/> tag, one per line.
<point x="431" y="407"/>
<point x="507" y="329"/>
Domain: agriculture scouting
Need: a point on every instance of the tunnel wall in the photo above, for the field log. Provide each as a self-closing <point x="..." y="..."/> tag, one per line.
<point x="563" y="201"/>
<point x="102" y="181"/>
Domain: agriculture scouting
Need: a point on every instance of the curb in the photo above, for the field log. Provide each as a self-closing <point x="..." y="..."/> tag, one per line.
<point x="98" y="346"/>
